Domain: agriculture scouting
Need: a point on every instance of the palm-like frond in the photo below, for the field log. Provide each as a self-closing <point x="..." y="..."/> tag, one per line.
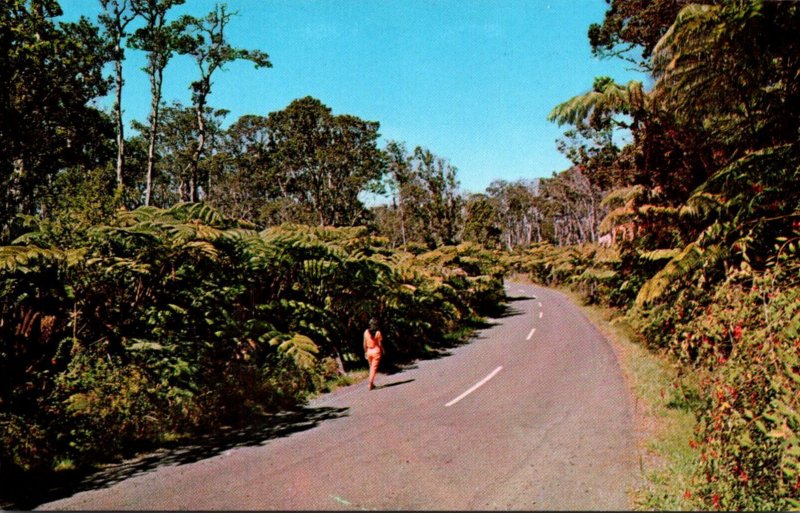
<point x="701" y="206"/>
<point x="677" y="269"/>
<point x="660" y="254"/>
<point x="609" y="99"/>
<point x="300" y="347"/>
<point x="703" y="62"/>
<point x="21" y="258"/>
<point x="623" y="196"/>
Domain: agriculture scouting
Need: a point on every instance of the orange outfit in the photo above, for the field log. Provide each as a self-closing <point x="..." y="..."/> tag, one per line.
<point x="374" y="350"/>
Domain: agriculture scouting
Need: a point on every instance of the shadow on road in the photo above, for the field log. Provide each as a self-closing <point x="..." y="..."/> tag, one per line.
<point x="395" y="383"/>
<point x="33" y="492"/>
<point x="443" y="349"/>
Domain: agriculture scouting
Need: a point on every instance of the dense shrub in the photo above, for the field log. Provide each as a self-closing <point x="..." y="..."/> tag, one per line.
<point x="748" y="437"/>
<point x="165" y="322"/>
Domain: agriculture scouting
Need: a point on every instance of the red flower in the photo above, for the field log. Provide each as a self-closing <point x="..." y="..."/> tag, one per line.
<point x="687" y="494"/>
<point x="737" y="332"/>
<point x="715" y="499"/>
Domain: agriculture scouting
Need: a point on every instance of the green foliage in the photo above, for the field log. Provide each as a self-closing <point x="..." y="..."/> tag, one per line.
<point x="181" y="320"/>
<point x="749" y="424"/>
<point x="49" y="74"/>
<point x="591" y="270"/>
<point x="605" y="100"/>
<point x="104" y="405"/>
<point x="323" y="162"/>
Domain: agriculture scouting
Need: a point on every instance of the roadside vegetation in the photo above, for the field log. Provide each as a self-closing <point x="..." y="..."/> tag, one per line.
<point x="197" y="272"/>
<point x="701" y="227"/>
<point x="171" y="323"/>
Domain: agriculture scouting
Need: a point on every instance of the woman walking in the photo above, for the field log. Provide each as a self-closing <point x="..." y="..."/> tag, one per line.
<point x="373" y="349"/>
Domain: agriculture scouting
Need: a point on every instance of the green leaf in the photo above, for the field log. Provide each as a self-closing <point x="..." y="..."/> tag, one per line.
<point x="301" y="348"/>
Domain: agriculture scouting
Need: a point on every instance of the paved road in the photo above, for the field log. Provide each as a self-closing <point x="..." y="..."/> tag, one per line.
<point x="532" y="414"/>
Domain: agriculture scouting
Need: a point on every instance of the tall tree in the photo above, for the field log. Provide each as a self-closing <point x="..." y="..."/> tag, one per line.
<point x="208" y="44"/>
<point x="322" y="162"/>
<point x="729" y="73"/>
<point x="573" y="205"/>
<point x="434" y="194"/>
<point x="242" y="185"/>
<point x="517" y="210"/>
<point x="160" y="39"/>
<point x="399" y="175"/>
<point x="115" y="18"/>
<point x="174" y="172"/>
<point x="632" y="26"/>
<point x="426" y="204"/>
<point x="49" y="75"/>
<point x="481" y="221"/>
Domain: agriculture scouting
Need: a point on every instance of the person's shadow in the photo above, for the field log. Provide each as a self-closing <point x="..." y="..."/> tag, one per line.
<point x="394" y="384"/>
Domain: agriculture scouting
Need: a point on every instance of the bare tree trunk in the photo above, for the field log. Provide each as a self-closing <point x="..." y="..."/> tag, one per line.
<point x="155" y="85"/>
<point x="201" y="143"/>
<point x="118" y="112"/>
<point x="402" y="215"/>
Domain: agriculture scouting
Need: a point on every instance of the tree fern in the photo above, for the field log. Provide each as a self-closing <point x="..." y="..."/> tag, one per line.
<point x="677" y="270"/>
<point x="623" y="196"/>
<point x="300" y="347"/>
<point x="660" y="254"/>
<point x="22" y="258"/>
<point x="606" y="99"/>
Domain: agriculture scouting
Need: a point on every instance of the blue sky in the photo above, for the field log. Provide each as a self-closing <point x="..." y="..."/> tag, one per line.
<point x="472" y="80"/>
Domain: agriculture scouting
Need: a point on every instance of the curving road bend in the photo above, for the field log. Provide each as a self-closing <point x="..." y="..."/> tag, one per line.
<point x="532" y="414"/>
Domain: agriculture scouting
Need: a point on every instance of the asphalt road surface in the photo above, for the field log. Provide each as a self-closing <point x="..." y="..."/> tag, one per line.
<point x="532" y="414"/>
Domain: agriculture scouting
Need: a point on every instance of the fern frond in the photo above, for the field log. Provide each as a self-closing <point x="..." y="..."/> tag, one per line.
<point x="299" y="347"/>
<point x="660" y="254"/>
<point x="623" y="195"/>
<point x="701" y="205"/>
<point x="21" y="258"/>
<point x="597" y="274"/>
<point x="610" y="99"/>
<point x="615" y="218"/>
<point x="196" y="212"/>
<point x="678" y="268"/>
<point x="205" y="248"/>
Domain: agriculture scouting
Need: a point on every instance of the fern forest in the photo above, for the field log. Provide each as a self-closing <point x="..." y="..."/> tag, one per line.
<point x="184" y="273"/>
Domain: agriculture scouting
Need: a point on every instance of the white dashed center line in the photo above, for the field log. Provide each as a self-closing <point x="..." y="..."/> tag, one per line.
<point x="531" y="334"/>
<point x="541" y="314"/>
<point x="474" y="387"/>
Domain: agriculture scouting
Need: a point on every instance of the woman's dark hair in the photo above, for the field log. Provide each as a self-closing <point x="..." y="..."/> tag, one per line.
<point x="373" y="326"/>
